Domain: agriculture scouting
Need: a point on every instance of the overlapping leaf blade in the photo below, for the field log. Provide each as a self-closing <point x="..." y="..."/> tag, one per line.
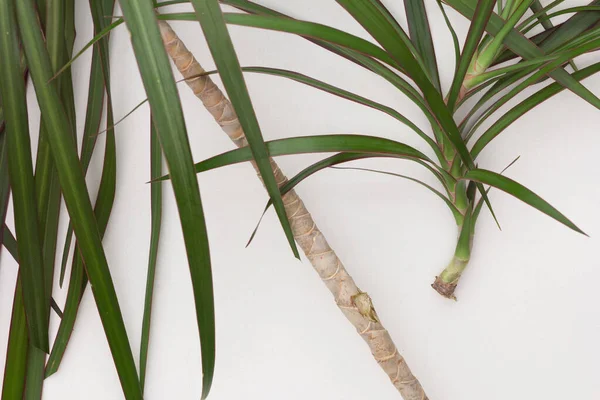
<point x="219" y="42"/>
<point x="520" y="192"/>
<point x="376" y="24"/>
<point x="76" y="197"/>
<point x="13" y="386"/>
<point x="47" y="184"/>
<point x="168" y="119"/>
<point x="315" y="144"/>
<point x="21" y="176"/>
<point x="156" y="215"/>
<point x="526" y="105"/>
<point x="420" y="34"/>
<point x="525" y="48"/>
<point x="476" y="30"/>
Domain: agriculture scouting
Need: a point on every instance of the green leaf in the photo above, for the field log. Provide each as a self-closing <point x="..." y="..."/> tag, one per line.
<point x="99" y="74"/>
<point x="560" y="59"/>
<point x="21" y="177"/>
<point x="497" y="72"/>
<point x="531" y="80"/>
<point x="508" y="54"/>
<point x="156" y="206"/>
<point x="312" y="30"/>
<point x="13" y="386"/>
<point x="511" y="78"/>
<point x="4" y="177"/>
<point x="166" y="109"/>
<point x="351" y="55"/>
<point x="78" y="280"/>
<point x="455" y="212"/>
<point x="315" y="144"/>
<point x="489" y="52"/>
<point x="404" y="59"/>
<point x="539" y="16"/>
<point x="540" y="12"/>
<point x="526" y="49"/>
<point x="309" y="30"/>
<point x="337" y="159"/>
<point x="377" y="25"/>
<point x="318" y="144"/>
<point x="46" y="179"/>
<point x="420" y="35"/>
<point x="348" y="53"/>
<point x="452" y="33"/>
<point x="16" y="355"/>
<point x="77" y="283"/>
<point x="78" y="204"/>
<point x="571" y="28"/>
<point x="524" y="106"/>
<point x="219" y="42"/>
<point x="89" y="44"/>
<point x="10" y="243"/>
<point x="307" y="80"/>
<point x="399" y="33"/>
<point x="95" y="105"/>
<point x="480" y="18"/>
<point x="520" y="192"/>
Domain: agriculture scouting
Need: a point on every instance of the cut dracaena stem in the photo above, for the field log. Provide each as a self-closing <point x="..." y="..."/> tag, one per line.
<point x="445" y="284"/>
<point x="356" y="305"/>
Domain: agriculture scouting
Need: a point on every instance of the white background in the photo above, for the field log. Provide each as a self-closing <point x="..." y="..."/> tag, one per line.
<point x="526" y="324"/>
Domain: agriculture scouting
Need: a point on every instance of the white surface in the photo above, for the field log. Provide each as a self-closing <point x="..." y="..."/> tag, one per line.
<point x="526" y="323"/>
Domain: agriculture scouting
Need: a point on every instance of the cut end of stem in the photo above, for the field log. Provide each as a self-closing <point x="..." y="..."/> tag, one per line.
<point x="444" y="288"/>
<point x="446" y="283"/>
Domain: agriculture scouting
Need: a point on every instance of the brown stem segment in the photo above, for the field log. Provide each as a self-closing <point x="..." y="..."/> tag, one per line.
<point x="355" y="305"/>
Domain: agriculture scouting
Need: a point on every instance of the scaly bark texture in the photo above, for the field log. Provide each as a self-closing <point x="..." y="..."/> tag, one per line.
<point x="355" y="305"/>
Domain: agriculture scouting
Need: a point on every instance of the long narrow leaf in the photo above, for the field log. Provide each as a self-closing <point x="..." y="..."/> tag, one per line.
<point x="532" y="80"/>
<point x="156" y="215"/>
<point x="538" y="9"/>
<point x="99" y="82"/>
<point x="168" y="119"/>
<point x="342" y="158"/>
<point x="343" y="39"/>
<point x="95" y="105"/>
<point x="525" y="48"/>
<point x="351" y="55"/>
<point x="455" y="42"/>
<point x="524" y="106"/>
<point x="13" y="386"/>
<point x="4" y="178"/>
<point x="78" y="280"/>
<point x="420" y="35"/>
<point x="307" y="80"/>
<point x="46" y="179"/>
<point x="21" y="176"/>
<point x="219" y="42"/>
<point x="476" y="30"/>
<point x="76" y="197"/>
<point x="371" y="19"/>
<point x="315" y="144"/>
<point x="571" y="28"/>
<point x="520" y="192"/>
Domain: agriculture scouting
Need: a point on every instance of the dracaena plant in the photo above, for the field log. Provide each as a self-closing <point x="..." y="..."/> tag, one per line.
<point x="36" y="40"/>
<point x="498" y="60"/>
<point x="500" y="57"/>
